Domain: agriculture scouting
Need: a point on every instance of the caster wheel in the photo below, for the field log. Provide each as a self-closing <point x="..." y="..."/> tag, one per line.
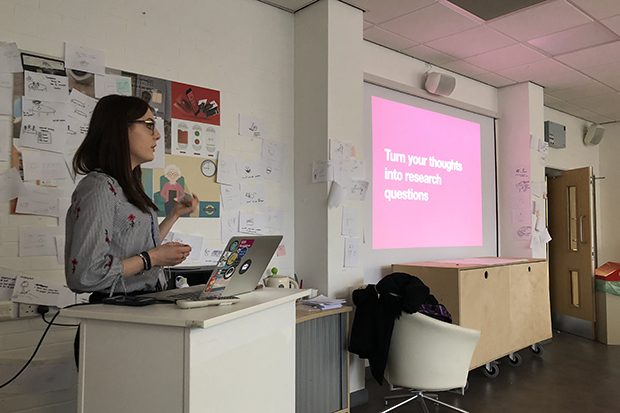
<point x="514" y="359"/>
<point x="537" y="349"/>
<point x="492" y="371"/>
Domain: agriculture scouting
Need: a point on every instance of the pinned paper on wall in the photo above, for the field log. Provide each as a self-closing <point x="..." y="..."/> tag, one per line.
<point x="336" y="195"/>
<point x="352" y="252"/>
<point x="31" y="290"/>
<point x="251" y="126"/>
<point x="36" y="241"/>
<point x="273" y="151"/>
<point x="252" y="193"/>
<point x="231" y="197"/>
<point x="229" y="222"/>
<point x="211" y="251"/>
<point x="249" y="169"/>
<point x="321" y="171"/>
<point x="7" y="284"/>
<point x="63" y="207"/>
<point x="252" y="223"/>
<point x="112" y="85"/>
<point x="226" y="169"/>
<point x="81" y="106"/>
<point x="340" y="151"/>
<point x="10" y="184"/>
<point x="5" y="137"/>
<point x="6" y="94"/>
<point x="59" y="240"/>
<point x="347" y="171"/>
<point x="10" y="60"/>
<point x="40" y="86"/>
<point x="43" y="165"/>
<point x="38" y="200"/>
<point x="351" y="225"/>
<point x="357" y="190"/>
<point x="84" y="59"/>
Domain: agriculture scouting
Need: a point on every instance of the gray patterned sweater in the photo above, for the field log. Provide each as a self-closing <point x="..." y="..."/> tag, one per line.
<point x="103" y="228"/>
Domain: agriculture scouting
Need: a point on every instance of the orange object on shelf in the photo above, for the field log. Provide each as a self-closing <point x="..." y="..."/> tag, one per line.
<point x="610" y="271"/>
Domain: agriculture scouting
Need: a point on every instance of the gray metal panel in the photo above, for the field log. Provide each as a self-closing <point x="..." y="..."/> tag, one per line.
<point x="321" y="365"/>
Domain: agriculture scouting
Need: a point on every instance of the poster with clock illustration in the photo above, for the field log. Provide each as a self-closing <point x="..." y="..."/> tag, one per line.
<point x="182" y="176"/>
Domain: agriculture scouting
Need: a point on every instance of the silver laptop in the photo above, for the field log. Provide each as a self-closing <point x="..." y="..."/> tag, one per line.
<point x="238" y="271"/>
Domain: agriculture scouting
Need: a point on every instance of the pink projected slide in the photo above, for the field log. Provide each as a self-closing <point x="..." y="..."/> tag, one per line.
<point x="426" y="178"/>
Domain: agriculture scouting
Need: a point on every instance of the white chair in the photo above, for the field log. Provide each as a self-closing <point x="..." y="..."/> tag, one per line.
<point x="428" y="355"/>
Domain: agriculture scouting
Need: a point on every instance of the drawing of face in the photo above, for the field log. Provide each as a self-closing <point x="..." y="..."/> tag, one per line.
<point x="142" y="140"/>
<point x="172" y="172"/>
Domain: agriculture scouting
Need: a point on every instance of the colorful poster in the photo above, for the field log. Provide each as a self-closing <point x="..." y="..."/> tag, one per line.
<point x="194" y="139"/>
<point x="196" y="104"/>
<point x="181" y="177"/>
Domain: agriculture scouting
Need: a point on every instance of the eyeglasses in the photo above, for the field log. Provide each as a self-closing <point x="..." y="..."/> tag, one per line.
<point x="149" y="123"/>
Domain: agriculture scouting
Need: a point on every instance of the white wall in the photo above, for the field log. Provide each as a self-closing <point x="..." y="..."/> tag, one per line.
<point x="243" y="48"/>
<point x="609" y="191"/>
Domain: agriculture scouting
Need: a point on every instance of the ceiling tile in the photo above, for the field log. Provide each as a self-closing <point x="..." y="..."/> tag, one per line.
<point x="599" y="8"/>
<point x="506" y="57"/>
<point x="493" y="79"/>
<point x="464" y="68"/>
<point x="587" y="35"/>
<point x="383" y="10"/>
<point x="593" y="56"/>
<point x="387" y="39"/>
<point x="471" y="42"/>
<point x="602" y="104"/>
<point x="540" y="20"/>
<point x="613" y="23"/>
<point x="429" y="23"/>
<point x="588" y="89"/>
<point x="428" y="54"/>
<point x="367" y="25"/>
<point x="608" y="74"/>
<point x="547" y="73"/>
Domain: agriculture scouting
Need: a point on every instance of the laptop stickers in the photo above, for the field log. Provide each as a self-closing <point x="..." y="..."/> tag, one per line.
<point x="228" y="265"/>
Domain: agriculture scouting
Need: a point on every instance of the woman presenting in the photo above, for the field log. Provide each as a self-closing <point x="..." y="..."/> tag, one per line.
<point x="113" y="242"/>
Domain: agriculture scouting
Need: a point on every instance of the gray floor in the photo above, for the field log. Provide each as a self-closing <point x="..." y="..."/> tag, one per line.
<point x="573" y="375"/>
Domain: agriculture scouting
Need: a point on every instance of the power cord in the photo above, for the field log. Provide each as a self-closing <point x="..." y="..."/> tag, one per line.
<point x="34" y="353"/>
<point x="43" y="309"/>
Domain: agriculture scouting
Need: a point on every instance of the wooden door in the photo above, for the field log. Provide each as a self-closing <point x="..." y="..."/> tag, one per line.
<point x="571" y="267"/>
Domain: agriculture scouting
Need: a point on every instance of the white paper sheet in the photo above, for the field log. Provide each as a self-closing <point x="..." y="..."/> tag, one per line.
<point x="10" y="184"/>
<point x="249" y="169"/>
<point x="160" y="150"/>
<point x="226" y="169"/>
<point x="251" y="126"/>
<point x="7" y="284"/>
<point x="351" y="223"/>
<point x="211" y="251"/>
<point x="43" y="125"/>
<point x="194" y="241"/>
<point x="63" y="207"/>
<point x="231" y="197"/>
<point x="252" y="194"/>
<point x="38" y="241"/>
<point x="38" y="200"/>
<point x="274" y="221"/>
<point x="10" y="59"/>
<point x="76" y="132"/>
<point x="272" y="171"/>
<point x="322" y="171"/>
<point x="33" y="290"/>
<point x="6" y="128"/>
<point x="84" y="59"/>
<point x="39" y="86"/>
<point x="251" y="223"/>
<point x="357" y="190"/>
<point x="112" y="85"/>
<point x="352" y="252"/>
<point x="59" y="240"/>
<point x="340" y="151"/>
<point x="336" y="195"/>
<point x="6" y="93"/>
<point x="229" y="221"/>
<point x="274" y="151"/>
<point x="81" y="106"/>
<point x="194" y="138"/>
<point x="43" y="165"/>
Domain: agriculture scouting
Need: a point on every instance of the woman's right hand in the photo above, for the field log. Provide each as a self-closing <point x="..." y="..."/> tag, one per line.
<point x="171" y="253"/>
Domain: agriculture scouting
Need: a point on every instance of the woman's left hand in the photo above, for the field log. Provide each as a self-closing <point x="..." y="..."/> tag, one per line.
<point x="185" y="206"/>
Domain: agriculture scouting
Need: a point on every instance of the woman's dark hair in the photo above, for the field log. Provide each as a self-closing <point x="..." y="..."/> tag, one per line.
<point x="106" y="146"/>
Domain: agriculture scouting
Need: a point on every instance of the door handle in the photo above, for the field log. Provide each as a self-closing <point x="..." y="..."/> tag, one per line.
<point x="581" y="219"/>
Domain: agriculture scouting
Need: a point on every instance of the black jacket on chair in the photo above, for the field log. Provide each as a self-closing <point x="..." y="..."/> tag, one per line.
<point x="376" y="308"/>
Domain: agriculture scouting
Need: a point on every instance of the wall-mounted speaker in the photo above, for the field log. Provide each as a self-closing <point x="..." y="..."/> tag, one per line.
<point x="439" y="84"/>
<point x="594" y="135"/>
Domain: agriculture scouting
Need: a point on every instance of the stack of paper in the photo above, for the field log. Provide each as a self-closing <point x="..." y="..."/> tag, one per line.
<point x="324" y="303"/>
